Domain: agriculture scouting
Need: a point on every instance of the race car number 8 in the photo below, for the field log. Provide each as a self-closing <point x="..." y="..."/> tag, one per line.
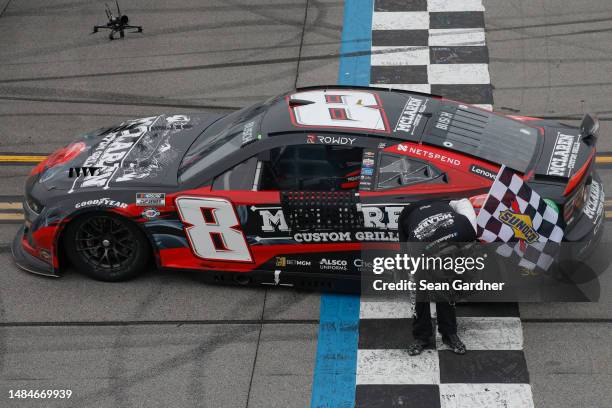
<point x="213" y="229"/>
<point x="341" y="109"/>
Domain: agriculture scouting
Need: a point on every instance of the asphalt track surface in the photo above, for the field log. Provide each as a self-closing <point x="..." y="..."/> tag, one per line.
<point x="170" y="340"/>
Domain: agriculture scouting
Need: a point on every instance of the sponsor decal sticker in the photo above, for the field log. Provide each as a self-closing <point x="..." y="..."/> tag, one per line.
<point x="282" y="261"/>
<point x="101" y="202"/>
<point x="521" y="225"/>
<point x="428" y="154"/>
<point x="247" y="133"/>
<point x="411" y="115"/>
<point x="333" y="264"/>
<point x="150" y="213"/>
<point x="150" y="199"/>
<point x="336" y="140"/>
<point x="482" y="172"/>
<point x="563" y="158"/>
<point x="595" y="203"/>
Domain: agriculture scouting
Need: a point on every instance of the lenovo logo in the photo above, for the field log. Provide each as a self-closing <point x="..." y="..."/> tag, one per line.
<point x="83" y="171"/>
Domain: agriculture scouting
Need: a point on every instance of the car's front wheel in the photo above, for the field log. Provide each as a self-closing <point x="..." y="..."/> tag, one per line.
<point x="106" y="247"/>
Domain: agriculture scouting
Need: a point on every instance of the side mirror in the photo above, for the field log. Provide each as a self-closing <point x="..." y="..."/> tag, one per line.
<point x="589" y="129"/>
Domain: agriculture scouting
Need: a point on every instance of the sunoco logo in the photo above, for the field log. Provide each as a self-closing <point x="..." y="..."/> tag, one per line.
<point x="521" y="225"/>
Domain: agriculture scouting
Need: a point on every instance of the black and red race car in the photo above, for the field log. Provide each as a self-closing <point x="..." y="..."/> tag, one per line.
<point x="287" y="191"/>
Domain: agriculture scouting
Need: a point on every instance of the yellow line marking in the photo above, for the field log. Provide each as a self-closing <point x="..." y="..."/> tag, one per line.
<point x="11" y="206"/>
<point x="608" y="214"/>
<point x="10" y="216"/>
<point x="22" y="159"/>
<point x="603" y="159"/>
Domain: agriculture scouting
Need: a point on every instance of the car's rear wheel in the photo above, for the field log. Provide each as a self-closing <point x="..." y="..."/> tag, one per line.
<point x="106" y="247"/>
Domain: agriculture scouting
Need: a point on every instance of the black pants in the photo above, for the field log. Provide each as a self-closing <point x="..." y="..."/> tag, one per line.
<point x="422" y="328"/>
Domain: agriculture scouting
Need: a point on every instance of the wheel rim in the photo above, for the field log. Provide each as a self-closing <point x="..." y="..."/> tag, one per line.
<point x="105" y="242"/>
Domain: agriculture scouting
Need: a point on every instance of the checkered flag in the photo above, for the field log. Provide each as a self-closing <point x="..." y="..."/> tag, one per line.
<point x="512" y="212"/>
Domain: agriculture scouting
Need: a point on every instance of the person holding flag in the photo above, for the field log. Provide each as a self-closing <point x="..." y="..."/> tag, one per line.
<point x="511" y="212"/>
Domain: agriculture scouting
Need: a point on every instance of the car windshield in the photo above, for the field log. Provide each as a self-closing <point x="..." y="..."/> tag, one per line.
<point x="221" y="139"/>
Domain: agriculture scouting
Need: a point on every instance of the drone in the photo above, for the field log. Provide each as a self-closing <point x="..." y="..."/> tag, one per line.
<point x="116" y="24"/>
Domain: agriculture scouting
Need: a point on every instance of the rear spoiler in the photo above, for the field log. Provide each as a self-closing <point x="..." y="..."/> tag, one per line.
<point x="589" y="129"/>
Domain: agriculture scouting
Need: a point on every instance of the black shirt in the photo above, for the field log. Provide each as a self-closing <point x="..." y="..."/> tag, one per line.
<point x="434" y="221"/>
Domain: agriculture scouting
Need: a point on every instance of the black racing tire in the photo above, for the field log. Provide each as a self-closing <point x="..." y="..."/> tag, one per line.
<point x="106" y="247"/>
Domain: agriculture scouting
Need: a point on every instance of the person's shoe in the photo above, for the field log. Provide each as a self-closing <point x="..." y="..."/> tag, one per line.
<point x="417" y="347"/>
<point x="454" y="342"/>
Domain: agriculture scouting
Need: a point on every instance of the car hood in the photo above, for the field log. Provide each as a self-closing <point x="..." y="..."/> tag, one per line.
<point x="139" y="152"/>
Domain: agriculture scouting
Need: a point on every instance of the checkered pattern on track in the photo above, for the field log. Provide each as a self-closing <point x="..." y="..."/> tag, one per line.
<point x="432" y="46"/>
<point x="492" y="374"/>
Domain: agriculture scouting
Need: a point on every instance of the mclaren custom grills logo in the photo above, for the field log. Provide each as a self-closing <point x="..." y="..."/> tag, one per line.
<point x="564" y="155"/>
<point x="380" y="224"/>
<point x="110" y="153"/>
<point x="521" y="225"/>
<point x="411" y="115"/>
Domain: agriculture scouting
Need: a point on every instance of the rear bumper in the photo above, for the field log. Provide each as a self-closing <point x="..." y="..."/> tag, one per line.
<point x="28" y="262"/>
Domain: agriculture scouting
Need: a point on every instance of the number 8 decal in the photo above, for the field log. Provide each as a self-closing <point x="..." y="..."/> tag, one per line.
<point x="213" y="229"/>
<point x="348" y="109"/>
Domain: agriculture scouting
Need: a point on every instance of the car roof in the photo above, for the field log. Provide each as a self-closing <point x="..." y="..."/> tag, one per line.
<point x="405" y="116"/>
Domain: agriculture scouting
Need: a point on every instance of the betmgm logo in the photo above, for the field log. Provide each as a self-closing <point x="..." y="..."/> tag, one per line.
<point x="83" y="171"/>
<point x="521" y="225"/>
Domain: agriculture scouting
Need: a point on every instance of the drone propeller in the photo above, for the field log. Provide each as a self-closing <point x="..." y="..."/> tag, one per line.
<point x="118" y="11"/>
<point x="109" y="13"/>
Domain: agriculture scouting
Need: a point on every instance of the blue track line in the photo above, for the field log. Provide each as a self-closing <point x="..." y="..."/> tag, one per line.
<point x="336" y="362"/>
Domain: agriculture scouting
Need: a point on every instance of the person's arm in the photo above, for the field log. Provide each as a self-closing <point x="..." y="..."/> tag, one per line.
<point x="464" y="207"/>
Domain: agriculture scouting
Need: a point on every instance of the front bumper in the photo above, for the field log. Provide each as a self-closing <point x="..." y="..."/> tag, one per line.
<point x="26" y="261"/>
